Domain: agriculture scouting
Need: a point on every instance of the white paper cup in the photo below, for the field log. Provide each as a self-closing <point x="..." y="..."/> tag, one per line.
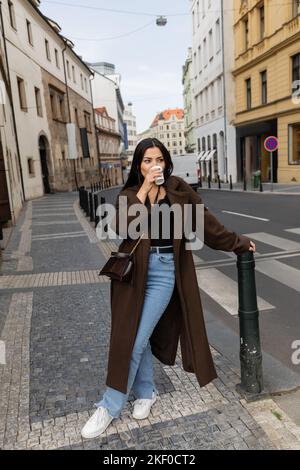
<point x="160" y="179"/>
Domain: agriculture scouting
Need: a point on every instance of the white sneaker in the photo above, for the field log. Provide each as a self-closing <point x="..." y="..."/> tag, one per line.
<point x="97" y="423"/>
<point x="142" y="406"/>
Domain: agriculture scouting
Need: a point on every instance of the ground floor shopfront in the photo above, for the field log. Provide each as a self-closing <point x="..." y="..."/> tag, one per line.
<point x="282" y="166"/>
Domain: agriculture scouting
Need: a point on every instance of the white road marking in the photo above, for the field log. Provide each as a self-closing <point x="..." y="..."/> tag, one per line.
<point x="274" y="240"/>
<point x="224" y="290"/>
<point x="293" y="230"/>
<point x="246" y="215"/>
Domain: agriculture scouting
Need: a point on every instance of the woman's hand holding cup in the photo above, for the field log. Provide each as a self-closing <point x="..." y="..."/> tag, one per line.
<point x="150" y="178"/>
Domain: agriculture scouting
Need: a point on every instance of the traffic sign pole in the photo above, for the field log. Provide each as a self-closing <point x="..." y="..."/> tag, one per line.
<point x="271" y="144"/>
<point x="272" y="170"/>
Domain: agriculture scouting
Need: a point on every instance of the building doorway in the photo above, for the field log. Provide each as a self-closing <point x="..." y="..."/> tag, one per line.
<point x="44" y="149"/>
<point x="5" y="213"/>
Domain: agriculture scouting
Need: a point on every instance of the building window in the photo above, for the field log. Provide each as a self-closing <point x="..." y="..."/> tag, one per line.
<point x="53" y="104"/>
<point x="87" y="121"/>
<point x="294" y="144"/>
<point x="76" y="116"/>
<point x="61" y="108"/>
<point x="22" y="94"/>
<point x="246" y="34"/>
<point x="29" y="32"/>
<point x="220" y="92"/>
<point x="81" y="79"/>
<point x="38" y="102"/>
<point x="12" y="15"/>
<point x="295" y="71"/>
<point x="56" y="58"/>
<point x="73" y="74"/>
<point x="203" y="144"/>
<point x="210" y="45"/>
<point x="57" y="99"/>
<point x="85" y="85"/>
<point x="199" y="61"/>
<point x="296" y="8"/>
<point x="262" y="22"/>
<point x="205" y="52"/>
<point x="68" y="69"/>
<point x="248" y="93"/>
<point x="218" y="36"/>
<point x="47" y="49"/>
<point x="264" y="96"/>
<point x="30" y="164"/>
<point x="193" y="22"/>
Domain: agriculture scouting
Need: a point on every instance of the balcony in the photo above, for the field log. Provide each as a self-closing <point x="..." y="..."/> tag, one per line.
<point x="269" y="44"/>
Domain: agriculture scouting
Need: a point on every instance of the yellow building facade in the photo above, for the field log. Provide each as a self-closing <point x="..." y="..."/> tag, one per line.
<point x="267" y="77"/>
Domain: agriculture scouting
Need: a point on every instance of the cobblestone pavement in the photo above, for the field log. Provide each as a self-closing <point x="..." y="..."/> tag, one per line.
<point x="55" y="324"/>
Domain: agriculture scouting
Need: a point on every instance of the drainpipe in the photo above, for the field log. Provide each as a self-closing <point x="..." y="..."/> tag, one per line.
<point x="224" y="88"/>
<point x="12" y="105"/>
<point x="96" y="130"/>
<point x="69" y="108"/>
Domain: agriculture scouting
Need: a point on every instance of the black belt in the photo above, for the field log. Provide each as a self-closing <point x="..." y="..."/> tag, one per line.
<point x="161" y="249"/>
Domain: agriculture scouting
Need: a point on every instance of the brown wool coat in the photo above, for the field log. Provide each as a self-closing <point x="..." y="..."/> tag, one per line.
<point x="182" y="320"/>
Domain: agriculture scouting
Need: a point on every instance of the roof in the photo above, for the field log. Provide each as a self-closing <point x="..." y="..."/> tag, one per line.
<point x="166" y="115"/>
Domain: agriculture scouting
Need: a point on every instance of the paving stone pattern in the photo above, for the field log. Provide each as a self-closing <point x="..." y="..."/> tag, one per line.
<point x="55" y="323"/>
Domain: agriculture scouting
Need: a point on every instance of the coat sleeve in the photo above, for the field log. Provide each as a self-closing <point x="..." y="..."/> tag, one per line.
<point x="216" y="236"/>
<point x="122" y="211"/>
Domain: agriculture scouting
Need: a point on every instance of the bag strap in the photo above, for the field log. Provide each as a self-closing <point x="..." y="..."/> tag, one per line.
<point x="135" y="246"/>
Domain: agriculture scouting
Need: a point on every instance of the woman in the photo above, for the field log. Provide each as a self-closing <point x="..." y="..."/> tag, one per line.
<point x="162" y="305"/>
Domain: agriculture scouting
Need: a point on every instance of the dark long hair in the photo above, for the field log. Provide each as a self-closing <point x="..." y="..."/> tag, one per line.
<point x="135" y="176"/>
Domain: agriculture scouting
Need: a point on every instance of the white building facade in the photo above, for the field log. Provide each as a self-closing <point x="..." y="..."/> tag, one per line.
<point x="50" y="89"/>
<point x="187" y="80"/>
<point x="130" y="122"/>
<point x="213" y="88"/>
<point x="106" y="88"/>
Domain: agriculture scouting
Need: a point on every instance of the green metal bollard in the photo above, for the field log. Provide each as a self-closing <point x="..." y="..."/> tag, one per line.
<point x="250" y="350"/>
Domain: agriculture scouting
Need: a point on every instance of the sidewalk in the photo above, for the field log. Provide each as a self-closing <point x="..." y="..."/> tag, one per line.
<point x="55" y="323"/>
<point x="268" y="188"/>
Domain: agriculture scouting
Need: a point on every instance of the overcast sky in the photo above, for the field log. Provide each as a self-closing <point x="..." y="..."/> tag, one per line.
<point x="149" y="60"/>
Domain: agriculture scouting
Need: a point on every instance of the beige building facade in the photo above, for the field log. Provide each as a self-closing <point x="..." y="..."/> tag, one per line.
<point x="108" y="147"/>
<point x="52" y="102"/>
<point x="267" y="75"/>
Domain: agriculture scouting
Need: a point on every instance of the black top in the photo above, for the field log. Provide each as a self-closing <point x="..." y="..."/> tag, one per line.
<point x="161" y="241"/>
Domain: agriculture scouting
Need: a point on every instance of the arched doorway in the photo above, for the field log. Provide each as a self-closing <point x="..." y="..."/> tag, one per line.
<point x="43" y="149"/>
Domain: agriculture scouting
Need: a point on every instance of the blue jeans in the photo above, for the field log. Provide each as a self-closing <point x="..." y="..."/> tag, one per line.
<point x="159" y="289"/>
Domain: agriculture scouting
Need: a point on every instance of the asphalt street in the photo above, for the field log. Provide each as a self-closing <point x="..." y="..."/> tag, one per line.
<point x="273" y="223"/>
